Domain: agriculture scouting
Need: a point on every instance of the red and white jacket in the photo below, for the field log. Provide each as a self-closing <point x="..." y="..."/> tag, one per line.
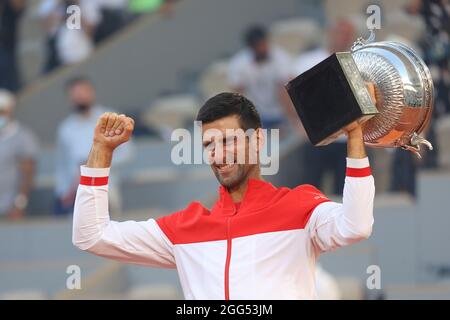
<point x="265" y="250"/>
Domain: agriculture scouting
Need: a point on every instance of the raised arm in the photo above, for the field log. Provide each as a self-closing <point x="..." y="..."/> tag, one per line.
<point x="132" y="242"/>
<point x="334" y="225"/>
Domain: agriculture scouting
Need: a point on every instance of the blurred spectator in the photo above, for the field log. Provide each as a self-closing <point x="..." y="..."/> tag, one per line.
<point x="76" y="45"/>
<point x="10" y="13"/>
<point x="64" y="45"/>
<point x="51" y="12"/>
<point x="316" y="161"/>
<point x="260" y="71"/>
<point x="18" y="150"/>
<point x="75" y="136"/>
<point x="436" y="46"/>
<point x="112" y="18"/>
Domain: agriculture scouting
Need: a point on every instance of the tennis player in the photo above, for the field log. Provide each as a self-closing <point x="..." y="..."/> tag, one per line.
<point x="258" y="241"/>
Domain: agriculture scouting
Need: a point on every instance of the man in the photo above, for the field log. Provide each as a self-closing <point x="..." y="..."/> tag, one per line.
<point x="257" y="242"/>
<point x="315" y="161"/>
<point x="260" y="72"/>
<point x="112" y="18"/>
<point x="67" y="45"/>
<point x="73" y="145"/>
<point x="18" y="149"/>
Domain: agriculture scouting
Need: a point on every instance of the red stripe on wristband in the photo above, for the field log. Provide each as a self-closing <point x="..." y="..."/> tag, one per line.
<point x="358" y="172"/>
<point x="93" y="181"/>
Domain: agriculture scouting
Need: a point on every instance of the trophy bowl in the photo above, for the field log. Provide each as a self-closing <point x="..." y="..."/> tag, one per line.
<point x="404" y="94"/>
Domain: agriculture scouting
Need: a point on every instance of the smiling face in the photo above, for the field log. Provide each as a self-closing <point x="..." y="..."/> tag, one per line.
<point x="231" y="153"/>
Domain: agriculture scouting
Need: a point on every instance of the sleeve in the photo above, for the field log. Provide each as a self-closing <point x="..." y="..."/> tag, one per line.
<point x="333" y="225"/>
<point x="141" y="243"/>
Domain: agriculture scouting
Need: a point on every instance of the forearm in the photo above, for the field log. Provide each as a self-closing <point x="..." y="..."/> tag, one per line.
<point x="91" y="203"/>
<point x="131" y="241"/>
<point x="91" y="214"/>
<point x="358" y="198"/>
<point x="99" y="157"/>
<point x="355" y="144"/>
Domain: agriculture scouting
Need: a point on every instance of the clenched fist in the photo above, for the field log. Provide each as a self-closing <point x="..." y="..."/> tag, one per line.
<point x="112" y="130"/>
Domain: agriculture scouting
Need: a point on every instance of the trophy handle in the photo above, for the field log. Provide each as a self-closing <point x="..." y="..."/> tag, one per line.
<point x="361" y="42"/>
<point x="414" y="145"/>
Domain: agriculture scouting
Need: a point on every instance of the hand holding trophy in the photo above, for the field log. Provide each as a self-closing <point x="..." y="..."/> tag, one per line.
<point x="333" y="94"/>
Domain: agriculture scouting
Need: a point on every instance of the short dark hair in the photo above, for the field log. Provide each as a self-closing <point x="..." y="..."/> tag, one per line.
<point x="254" y="35"/>
<point x="227" y="104"/>
<point x="76" y="80"/>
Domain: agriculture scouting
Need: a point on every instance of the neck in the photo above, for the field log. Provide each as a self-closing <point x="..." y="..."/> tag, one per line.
<point x="237" y="193"/>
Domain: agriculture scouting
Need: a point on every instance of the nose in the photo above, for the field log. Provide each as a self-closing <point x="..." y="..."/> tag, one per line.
<point x="217" y="154"/>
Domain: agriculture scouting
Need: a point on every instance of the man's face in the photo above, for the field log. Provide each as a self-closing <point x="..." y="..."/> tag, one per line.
<point x="261" y="50"/>
<point x="82" y="96"/>
<point x="341" y="36"/>
<point x="231" y="153"/>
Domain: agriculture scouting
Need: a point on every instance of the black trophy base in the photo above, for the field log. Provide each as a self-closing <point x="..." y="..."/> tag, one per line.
<point x="330" y="96"/>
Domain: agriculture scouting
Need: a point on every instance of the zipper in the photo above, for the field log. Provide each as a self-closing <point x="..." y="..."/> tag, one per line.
<point x="227" y="261"/>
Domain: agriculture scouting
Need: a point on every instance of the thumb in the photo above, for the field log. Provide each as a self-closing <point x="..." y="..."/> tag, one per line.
<point x="128" y="129"/>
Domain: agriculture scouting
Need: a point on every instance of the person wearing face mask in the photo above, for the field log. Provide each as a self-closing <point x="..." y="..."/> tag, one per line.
<point x="72" y="148"/>
<point x="18" y="149"/>
<point x="259" y="71"/>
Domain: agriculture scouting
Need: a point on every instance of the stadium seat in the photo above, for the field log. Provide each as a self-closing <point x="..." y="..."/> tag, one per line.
<point x="296" y="35"/>
<point x="214" y="79"/>
<point x="171" y="112"/>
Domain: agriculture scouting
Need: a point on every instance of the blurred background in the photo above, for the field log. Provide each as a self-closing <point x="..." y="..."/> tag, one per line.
<point x="158" y="61"/>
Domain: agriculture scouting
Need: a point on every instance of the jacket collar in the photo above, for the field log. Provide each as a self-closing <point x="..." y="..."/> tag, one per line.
<point x="257" y="196"/>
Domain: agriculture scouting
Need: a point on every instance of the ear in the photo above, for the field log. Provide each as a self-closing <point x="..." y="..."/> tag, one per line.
<point x="261" y="139"/>
<point x="257" y="140"/>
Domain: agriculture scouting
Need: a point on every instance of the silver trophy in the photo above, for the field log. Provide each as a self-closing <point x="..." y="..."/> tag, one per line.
<point x="404" y="92"/>
<point x="332" y="94"/>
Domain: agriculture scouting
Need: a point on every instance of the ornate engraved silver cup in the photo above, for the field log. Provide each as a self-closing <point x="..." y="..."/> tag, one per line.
<point x="404" y="92"/>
